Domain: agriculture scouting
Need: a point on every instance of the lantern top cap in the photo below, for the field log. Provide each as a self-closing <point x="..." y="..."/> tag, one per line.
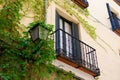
<point x="42" y="24"/>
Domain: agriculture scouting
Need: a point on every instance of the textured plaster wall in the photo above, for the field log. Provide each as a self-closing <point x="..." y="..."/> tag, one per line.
<point x="107" y="43"/>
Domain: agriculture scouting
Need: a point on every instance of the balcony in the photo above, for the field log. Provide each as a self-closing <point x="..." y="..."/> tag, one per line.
<point x="116" y="27"/>
<point x="81" y="56"/>
<point x="82" y="3"/>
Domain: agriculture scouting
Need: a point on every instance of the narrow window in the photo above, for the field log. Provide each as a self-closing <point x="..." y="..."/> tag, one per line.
<point x="66" y="38"/>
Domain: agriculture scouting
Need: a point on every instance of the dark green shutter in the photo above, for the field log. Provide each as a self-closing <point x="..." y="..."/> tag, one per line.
<point x="76" y="43"/>
<point x="57" y="33"/>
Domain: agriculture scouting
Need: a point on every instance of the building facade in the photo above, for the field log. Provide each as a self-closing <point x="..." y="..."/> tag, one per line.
<point x="89" y="55"/>
<point x="86" y="35"/>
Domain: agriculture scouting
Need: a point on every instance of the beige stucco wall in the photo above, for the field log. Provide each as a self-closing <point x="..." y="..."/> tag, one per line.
<point x="107" y="42"/>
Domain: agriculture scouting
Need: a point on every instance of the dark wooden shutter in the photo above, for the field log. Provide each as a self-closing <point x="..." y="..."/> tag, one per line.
<point x="116" y="22"/>
<point x="110" y="16"/>
<point x="57" y="33"/>
<point x="76" y="43"/>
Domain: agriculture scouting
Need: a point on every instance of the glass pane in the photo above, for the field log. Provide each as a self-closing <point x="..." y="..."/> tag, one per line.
<point x="61" y="34"/>
<point x="68" y="40"/>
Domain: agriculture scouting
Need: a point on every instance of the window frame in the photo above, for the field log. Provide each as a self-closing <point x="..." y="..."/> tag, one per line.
<point x="74" y="32"/>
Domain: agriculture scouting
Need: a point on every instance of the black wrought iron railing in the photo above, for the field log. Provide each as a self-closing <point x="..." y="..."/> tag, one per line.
<point x="78" y="52"/>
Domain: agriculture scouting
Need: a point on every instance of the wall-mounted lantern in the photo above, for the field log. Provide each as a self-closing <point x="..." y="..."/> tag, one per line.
<point x="38" y="32"/>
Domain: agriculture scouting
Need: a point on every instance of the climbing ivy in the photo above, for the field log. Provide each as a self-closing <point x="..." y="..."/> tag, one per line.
<point x="9" y="15"/>
<point x="36" y="7"/>
<point x="20" y="57"/>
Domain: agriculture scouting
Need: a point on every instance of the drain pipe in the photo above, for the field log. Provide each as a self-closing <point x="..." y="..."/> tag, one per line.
<point x="46" y="6"/>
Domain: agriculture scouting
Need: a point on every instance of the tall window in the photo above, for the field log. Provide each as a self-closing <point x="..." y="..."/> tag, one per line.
<point x="66" y="35"/>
